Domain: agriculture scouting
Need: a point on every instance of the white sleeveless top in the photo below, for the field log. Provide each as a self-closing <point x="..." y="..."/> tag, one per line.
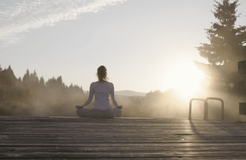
<point x="102" y="90"/>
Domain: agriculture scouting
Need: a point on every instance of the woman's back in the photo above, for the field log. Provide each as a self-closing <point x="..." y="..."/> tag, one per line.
<point x="102" y="90"/>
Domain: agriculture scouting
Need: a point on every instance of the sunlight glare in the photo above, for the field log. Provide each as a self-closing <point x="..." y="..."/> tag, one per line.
<point x="186" y="79"/>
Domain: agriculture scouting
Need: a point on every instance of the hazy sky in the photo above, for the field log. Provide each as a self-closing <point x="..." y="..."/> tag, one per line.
<point x="145" y="44"/>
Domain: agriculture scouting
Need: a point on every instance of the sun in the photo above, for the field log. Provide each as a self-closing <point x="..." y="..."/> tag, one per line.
<point x="186" y="79"/>
<point x="189" y="88"/>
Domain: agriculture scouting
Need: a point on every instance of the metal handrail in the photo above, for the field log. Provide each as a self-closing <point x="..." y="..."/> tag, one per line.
<point x="190" y="105"/>
<point x="206" y="106"/>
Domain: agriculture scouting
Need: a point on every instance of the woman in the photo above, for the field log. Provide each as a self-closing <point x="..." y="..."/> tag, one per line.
<point x="102" y="89"/>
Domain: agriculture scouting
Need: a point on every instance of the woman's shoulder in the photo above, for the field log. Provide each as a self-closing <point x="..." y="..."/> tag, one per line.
<point x="94" y="83"/>
<point x="102" y="83"/>
<point x="110" y="83"/>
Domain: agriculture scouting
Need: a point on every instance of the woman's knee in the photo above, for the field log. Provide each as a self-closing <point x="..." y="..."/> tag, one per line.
<point x="83" y="112"/>
<point x="79" y="112"/>
<point x="117" y="112"/>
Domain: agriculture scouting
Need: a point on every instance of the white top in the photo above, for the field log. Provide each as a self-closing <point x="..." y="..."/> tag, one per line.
<point x="102" y="90"/>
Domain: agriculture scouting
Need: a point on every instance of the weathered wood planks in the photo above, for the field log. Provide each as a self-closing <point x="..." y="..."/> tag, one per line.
<point x="120" y="138"/>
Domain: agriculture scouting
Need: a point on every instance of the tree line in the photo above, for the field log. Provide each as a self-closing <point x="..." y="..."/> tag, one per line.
<point x="33" y="95"/>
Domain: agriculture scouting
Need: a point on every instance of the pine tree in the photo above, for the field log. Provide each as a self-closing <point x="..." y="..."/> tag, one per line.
<point x="26" y="77"/>
<point x="42" y="82"/>
<point x="7" y="77"/>
<point x="60" y="82"/>
<point x="227" y="44"/>
<point x="33" y="80"/>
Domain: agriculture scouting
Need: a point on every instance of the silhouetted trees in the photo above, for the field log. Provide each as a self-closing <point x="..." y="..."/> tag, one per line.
<point x="31" y="94"/>
<point x="227" y="45"/>
<point x="12" y="93"/>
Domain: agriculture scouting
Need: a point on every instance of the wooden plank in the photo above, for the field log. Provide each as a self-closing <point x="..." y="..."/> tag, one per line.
<point x="126" y="154"/>
<point x="120" y="138"/>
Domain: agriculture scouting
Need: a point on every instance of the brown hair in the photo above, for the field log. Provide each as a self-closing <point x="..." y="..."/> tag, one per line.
<point x="102" y="74"/>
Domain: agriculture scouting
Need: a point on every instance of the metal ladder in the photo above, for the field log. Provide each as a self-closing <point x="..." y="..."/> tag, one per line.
<point x="206" y="106"/>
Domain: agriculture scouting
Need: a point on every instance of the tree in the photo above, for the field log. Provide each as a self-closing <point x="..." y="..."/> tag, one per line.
<point x="31" y="80"/>
<point x="7" y="77"/>
<point x="60" y="82"/>
<point x="52" y="83"/>
<point x="227" y="44"/>
<point x="26" y="77"/>
<point x="42" y="82"/>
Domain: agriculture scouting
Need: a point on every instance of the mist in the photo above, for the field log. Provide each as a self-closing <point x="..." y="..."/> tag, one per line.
<point x="32" y="96"/>
<point x="170" y="104"/>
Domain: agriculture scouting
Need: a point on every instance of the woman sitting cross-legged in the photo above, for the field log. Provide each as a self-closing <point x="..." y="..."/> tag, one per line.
<point x="102" y="89"/>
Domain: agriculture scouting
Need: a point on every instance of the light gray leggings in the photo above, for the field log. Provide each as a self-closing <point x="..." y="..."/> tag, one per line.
<point x="109" y="113"/>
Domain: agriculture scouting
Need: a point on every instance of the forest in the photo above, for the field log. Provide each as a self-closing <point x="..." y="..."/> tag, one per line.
<point x="31" y="95"/>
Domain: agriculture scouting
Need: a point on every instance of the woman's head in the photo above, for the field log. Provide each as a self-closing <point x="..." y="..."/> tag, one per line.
<point x="102" y="74"/>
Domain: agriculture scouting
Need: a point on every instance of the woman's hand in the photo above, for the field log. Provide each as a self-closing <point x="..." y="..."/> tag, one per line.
<point x="78" y="107"/>
<point x="119" y="107"/>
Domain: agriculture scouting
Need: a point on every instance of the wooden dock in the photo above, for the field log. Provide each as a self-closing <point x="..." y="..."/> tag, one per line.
<point x="120" y="138"/>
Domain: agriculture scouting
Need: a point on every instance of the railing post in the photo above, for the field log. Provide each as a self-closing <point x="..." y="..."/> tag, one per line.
<point x="190" y="105"/>
<point x="222" y="106"/>
<point x="190" y="109"/>
<point x="205" y="110"/>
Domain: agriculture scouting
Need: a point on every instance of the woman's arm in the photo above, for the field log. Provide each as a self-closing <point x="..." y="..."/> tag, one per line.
<point x="112" y="96"/>
<point x="91" y="93"/>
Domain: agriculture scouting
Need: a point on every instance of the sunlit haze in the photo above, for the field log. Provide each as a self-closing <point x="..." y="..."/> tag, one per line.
<point x="146" y="45"/>
<point x="185" y="78"/>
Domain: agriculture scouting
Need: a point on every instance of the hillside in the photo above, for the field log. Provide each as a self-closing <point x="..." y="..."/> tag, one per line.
<point x="129" y="93"/>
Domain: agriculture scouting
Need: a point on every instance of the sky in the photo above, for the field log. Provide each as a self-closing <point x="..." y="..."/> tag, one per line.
<point x="146" y="45"/>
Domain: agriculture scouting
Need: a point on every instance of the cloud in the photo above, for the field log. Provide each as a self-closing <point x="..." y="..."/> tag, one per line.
<point x="19" y="16"/>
